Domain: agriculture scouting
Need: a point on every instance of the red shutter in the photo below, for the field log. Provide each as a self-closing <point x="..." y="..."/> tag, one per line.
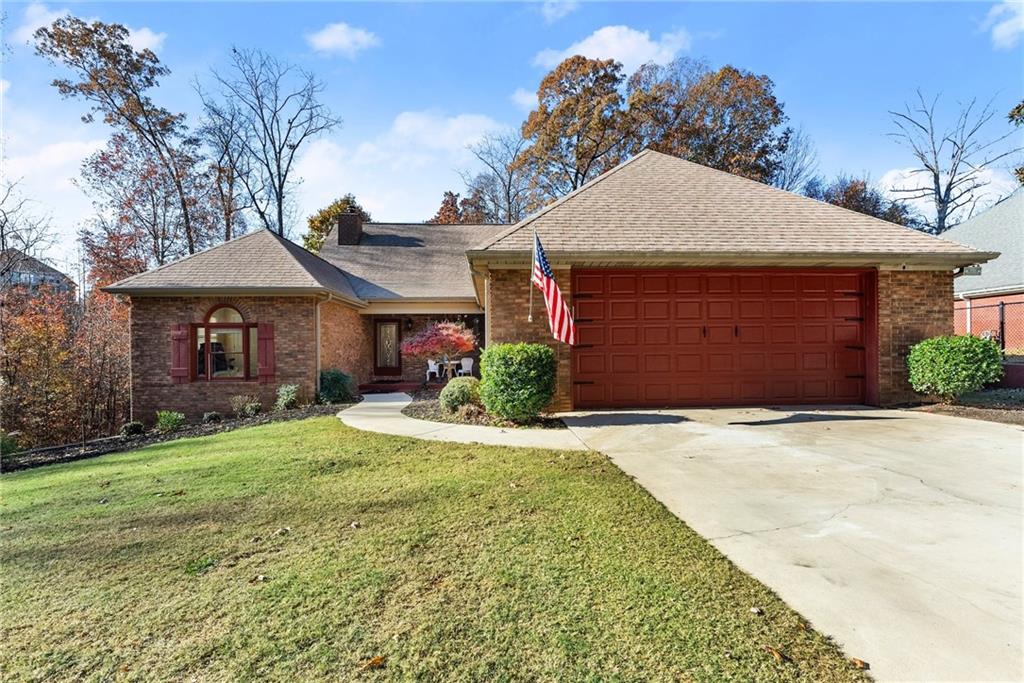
<point x="265" y="351"/>
<point x="179" y="354"/>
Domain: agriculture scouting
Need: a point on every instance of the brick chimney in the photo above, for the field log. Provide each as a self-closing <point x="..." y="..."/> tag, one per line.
<point x="350" y="227"/>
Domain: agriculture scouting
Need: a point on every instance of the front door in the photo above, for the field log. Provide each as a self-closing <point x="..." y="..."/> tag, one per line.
<point x="387" y="357"/>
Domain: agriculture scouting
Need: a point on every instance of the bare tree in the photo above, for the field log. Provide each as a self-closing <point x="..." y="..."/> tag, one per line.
<point x="798" y="164"/>
<point x="229" y="165"/>
<point x="23" y="233"/>
<point x="280" y="109"/>
<point x="504" y="189"/>
<point x="950" y="161"/>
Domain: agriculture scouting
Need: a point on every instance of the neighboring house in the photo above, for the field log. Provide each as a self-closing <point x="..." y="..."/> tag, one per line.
<point x="999" y="290"/>
<point x="690" y="287"/>
<point x="18" y="269"/>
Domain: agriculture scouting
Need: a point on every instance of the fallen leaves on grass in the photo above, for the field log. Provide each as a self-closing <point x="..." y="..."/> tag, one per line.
<point x="372" y="663"/>
<point x="859" y="664"/>
<point x="780" y="656"/>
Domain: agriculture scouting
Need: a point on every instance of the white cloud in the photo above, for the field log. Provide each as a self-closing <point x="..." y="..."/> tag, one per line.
<point x="5" y="85"/>
<point x="146" y="39"/>
<point x="398" y="175"/>
<point x="36" y="16"/>
<point x="553" y="10"/>
<point x="1006" y="21"/>
<point x="524" y="99"/>
<point x="340" y="38"/>
<point x="622" y="43"/>
<point x="1000" y="184"/>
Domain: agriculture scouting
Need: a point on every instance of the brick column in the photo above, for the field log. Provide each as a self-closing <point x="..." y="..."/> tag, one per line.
<point x="508" y="303"/>
<point x="912" y="305"/>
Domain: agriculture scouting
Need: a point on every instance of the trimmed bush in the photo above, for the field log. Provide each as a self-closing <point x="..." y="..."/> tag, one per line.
<point x="133" y="428"/>
<point x="212" y="417"/>
<point x="287" y="397"/>
<point x="460" y="391"/>
<point x="168" y="420"/>
<point x="246" y="405"/>
<point x="952" y="366"/>
<point x="518" y="380"/>
<point x="336" y="387"/>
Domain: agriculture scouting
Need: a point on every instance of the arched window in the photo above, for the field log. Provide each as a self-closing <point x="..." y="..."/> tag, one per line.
<point x="225" y="346"/>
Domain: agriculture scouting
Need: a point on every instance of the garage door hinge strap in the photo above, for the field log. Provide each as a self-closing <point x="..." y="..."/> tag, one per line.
<point x="855" y="377"/>
<point x="854" y="347"/>
<point x="582" y="382"/>
<point x="854" y="319"/>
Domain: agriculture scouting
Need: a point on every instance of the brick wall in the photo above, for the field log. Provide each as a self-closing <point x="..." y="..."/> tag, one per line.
<point x="508" y="296"/>
<point x="912" y="305"/>
<point x="151" y="322"/>
<point x="346" y="341"/>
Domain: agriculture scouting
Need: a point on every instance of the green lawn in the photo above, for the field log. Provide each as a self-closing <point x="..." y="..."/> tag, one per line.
<point x="451" y="562"/>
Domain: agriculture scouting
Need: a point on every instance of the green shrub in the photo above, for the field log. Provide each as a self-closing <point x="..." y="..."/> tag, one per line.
<point x="8" y="443"/>
<point x="211" y="417"/>
<point x="168" y="420"/>
<point x="246" y="405"/>
<point x="460" y="391"/>
<point x="518" y="380"/>
<point x="287" y="397"/>
<point x="952" y="366"/>
<point x="336" y="387"/>
<point x="133" y="428"/>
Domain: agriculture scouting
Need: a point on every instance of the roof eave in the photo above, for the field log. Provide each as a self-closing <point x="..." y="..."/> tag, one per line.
<point x="231" y="291"/>
<point x="481" y="257"/>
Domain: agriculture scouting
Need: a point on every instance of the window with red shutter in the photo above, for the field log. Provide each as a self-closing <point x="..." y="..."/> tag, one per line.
<point x="179" y="353"/>
<point x="265" y="345"/>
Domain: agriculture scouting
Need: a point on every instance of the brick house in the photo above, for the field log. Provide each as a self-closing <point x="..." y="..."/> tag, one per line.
<point x="689" y="287"/>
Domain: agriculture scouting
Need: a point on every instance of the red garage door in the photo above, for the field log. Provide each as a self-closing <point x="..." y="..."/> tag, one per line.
<point x="659" y="338"/>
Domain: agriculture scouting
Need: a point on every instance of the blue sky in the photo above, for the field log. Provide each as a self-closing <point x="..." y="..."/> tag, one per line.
<point x="416" y="82"/>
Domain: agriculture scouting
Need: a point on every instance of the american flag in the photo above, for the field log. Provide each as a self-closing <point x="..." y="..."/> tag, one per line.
<point x="562" y="327"/>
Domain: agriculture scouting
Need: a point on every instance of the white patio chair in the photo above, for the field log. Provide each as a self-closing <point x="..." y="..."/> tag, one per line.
<point x="432" y="370"/>
<point x="467" y="367"/>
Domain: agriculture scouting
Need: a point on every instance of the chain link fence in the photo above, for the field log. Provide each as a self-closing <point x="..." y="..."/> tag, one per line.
<point x="1001" y="322"/>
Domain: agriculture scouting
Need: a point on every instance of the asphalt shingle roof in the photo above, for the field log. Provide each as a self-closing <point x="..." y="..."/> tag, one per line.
<point x="261" y="260"/>
<point x="656" y="203"/>
<point x="410" y="260"/>
<point x="1001" y="229"/>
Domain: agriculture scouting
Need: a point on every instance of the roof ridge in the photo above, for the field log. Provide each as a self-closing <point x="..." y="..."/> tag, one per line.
<point x="561" y="200"/>
<point x="128" y="279"/>
<point x="287" y="244"/>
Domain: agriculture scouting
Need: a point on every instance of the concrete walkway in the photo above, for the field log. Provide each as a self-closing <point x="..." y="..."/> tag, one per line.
<point x="383" y="413"/>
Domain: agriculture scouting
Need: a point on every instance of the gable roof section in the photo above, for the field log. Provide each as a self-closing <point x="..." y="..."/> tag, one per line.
<point x="410" y="260"/>
<point x="1001" y="229"/>
<point x="260" y="262"/>
<point x="656" y="204"/>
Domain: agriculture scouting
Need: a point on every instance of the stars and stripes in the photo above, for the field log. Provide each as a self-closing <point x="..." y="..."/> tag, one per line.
<point x="562" y="326"/>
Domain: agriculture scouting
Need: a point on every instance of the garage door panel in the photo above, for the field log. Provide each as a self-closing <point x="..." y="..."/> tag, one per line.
<point x="656" y="310"/>
<point x="657" y="338"/>
<point x="590" y="309"/>
<point x="623" y="336"/>
<point x="623" y="310"/>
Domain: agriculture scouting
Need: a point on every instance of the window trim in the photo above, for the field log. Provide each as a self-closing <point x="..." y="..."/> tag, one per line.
<point x="206" y="326"/>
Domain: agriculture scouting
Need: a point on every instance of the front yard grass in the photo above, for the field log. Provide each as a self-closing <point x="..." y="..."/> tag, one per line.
<point x="305" y="550"/>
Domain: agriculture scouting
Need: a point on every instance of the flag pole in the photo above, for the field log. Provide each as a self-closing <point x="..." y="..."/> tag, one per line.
<point x="533" y="260"/>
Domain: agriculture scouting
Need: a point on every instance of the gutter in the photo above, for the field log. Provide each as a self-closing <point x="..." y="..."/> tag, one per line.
<point x="521" y="258"/>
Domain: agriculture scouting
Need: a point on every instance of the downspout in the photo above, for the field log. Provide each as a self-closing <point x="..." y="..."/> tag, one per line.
<point x="317" y="323"/>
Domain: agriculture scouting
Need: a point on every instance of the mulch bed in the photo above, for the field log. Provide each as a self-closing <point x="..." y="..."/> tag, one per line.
<point x="50" y="455"/>
<point x="426" y="406"/>
<point x="994" y="405"/>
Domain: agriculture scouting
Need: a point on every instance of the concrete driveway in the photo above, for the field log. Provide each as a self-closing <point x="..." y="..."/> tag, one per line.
<point x="897" y="533"/>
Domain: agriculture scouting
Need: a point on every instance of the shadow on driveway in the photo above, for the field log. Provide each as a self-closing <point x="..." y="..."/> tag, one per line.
<point x="798" y="418"/>
<point x="619" y="419"/>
